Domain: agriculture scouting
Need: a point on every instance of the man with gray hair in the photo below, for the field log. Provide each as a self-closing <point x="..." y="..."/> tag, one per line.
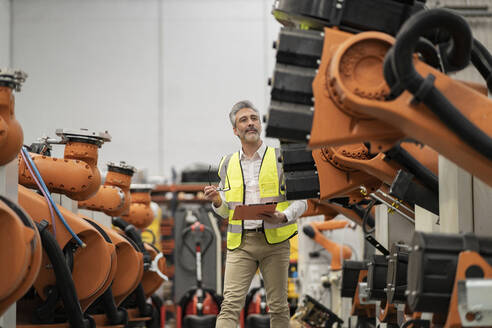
<point x="253" y="175"/>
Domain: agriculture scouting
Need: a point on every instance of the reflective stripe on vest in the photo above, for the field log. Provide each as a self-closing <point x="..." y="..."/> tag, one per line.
<point x="270" y="183"/>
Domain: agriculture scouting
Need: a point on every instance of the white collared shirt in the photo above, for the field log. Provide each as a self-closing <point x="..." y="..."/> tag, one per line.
<point x="251" y="172"/>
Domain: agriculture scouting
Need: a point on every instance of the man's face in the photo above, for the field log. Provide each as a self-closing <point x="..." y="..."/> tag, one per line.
<point x="248" y="125"/>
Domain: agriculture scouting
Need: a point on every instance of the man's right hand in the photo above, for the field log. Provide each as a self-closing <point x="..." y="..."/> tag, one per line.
<point x="211" y="194"/>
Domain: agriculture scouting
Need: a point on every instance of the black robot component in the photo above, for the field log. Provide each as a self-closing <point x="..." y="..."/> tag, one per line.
<point x="288" y="121"/>
<point x="396" y="282"/>
<point x="403" y="187"/>
<point x="302" y="185"/>
<point x="301" y="177"/>
<point x="299" y="47"/>
<point x="376" y="277"/>
<point x="293" y="84"/>
<point x="296" y="157"/>
<point x="350" y="276"/>
<point x="290" y="115"/>
<point x="350" y="15"/>
<point x="432" y="267"/>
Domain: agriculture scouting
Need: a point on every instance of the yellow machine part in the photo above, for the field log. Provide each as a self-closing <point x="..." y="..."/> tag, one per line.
<point x="294" y="248"/>
<point x="152" y="234"/>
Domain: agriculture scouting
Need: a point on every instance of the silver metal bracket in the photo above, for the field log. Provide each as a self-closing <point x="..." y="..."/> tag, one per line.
<point x="97" y="138"/>
<point x="140" y="187"/>
<point x="394" y="204"/>
<point x="13" y="78"/>
<point x="122" y="165"/>
<point x="475" y="302"/>
<point x="154" y="266"/>
<point x="364" y="294"/>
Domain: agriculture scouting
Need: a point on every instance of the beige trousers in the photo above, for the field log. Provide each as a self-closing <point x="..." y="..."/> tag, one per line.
<point x="241" y="266"/>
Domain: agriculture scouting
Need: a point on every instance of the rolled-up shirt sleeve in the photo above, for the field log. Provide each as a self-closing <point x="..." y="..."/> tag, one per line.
<point x="223" y="209"/>
<point x="295" y="210"/>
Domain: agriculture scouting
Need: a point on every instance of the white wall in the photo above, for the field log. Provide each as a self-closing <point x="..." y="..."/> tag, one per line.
<point x="5" y="33"/>
<point x="159" y="75"/>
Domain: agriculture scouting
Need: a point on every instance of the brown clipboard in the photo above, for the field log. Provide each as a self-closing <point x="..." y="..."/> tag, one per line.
<point x="252" y="211"/>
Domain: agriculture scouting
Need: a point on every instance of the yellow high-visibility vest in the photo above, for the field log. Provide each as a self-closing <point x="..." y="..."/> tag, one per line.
<point x="270" y="183"/>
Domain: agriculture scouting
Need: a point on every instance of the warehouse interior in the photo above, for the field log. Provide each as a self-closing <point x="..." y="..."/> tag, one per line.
<point x="115" y="119"/>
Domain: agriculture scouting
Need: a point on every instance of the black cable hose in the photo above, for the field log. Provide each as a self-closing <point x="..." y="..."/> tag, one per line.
<point x="115" y="316"/>
<point x="417" y="323"/>
<point x="144" y="308"/>
<point x="367" y="212"/>
<point x="458" y="53"/>
<point x="134" y="235"/>
<point x="130" y="231"/>
<point x="482" y="60"/>
<point x="361" y="212"/>
<point x="422" y="173"/>
<point x="64" y="281"/>
<point x="46" y="312"/>
<point x="428" y="53"/>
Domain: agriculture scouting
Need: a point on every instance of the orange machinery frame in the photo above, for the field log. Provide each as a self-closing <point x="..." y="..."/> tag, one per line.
<point x="99" y="255"/>
<point x="350" y="105"/>
<point x="11" y="135"/>
<point x="113" y="197"/>
<point x="76" y="175"/>
<point x="140" y="213"/>
<point x="337" y="252"/>
<point x="21" y="253"/>
<point x="342" y="170"/>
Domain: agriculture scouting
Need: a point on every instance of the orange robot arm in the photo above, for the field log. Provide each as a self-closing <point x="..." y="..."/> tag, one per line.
<point x="313" y="230"/>
<point x="336" y="180"/>
<point x="20" y="253"/>
<point x="330" y="211"/>
<point x="356" y="157"/>
<point x="76" y="175"/>
<point x="113" y="198"/>
<point x="140" y="214"/>
<point x="351" y="103"/>
<point x="11" y="136"/>
<point x="55" y="172"/>
<point x="315" y="207"/>
<point x="98" y="255"/>
<point x="129" y="268"/>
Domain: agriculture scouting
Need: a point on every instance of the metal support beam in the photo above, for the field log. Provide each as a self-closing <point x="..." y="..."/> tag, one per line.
<point x="391" y="227"/>
<point x="425" y="220"/>
<point x="482" y="207"/>
<point x="455" y="198"/>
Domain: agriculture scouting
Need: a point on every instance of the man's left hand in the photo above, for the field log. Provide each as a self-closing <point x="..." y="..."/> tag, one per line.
<point x="274" y="218"/>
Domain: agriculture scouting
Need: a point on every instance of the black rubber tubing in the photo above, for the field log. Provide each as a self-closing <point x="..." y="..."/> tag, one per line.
<point x="115" y="316"/>
<point x="134" y="235"/>
<point x="482" y="60"/>
<point x="144" y="308"/>
<point x="428" y="54"/>
<point x="64" y="281"/>
<point x="421" y="173"/>
<point x="361" y="211"/>
<point x="458" y="52"/>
